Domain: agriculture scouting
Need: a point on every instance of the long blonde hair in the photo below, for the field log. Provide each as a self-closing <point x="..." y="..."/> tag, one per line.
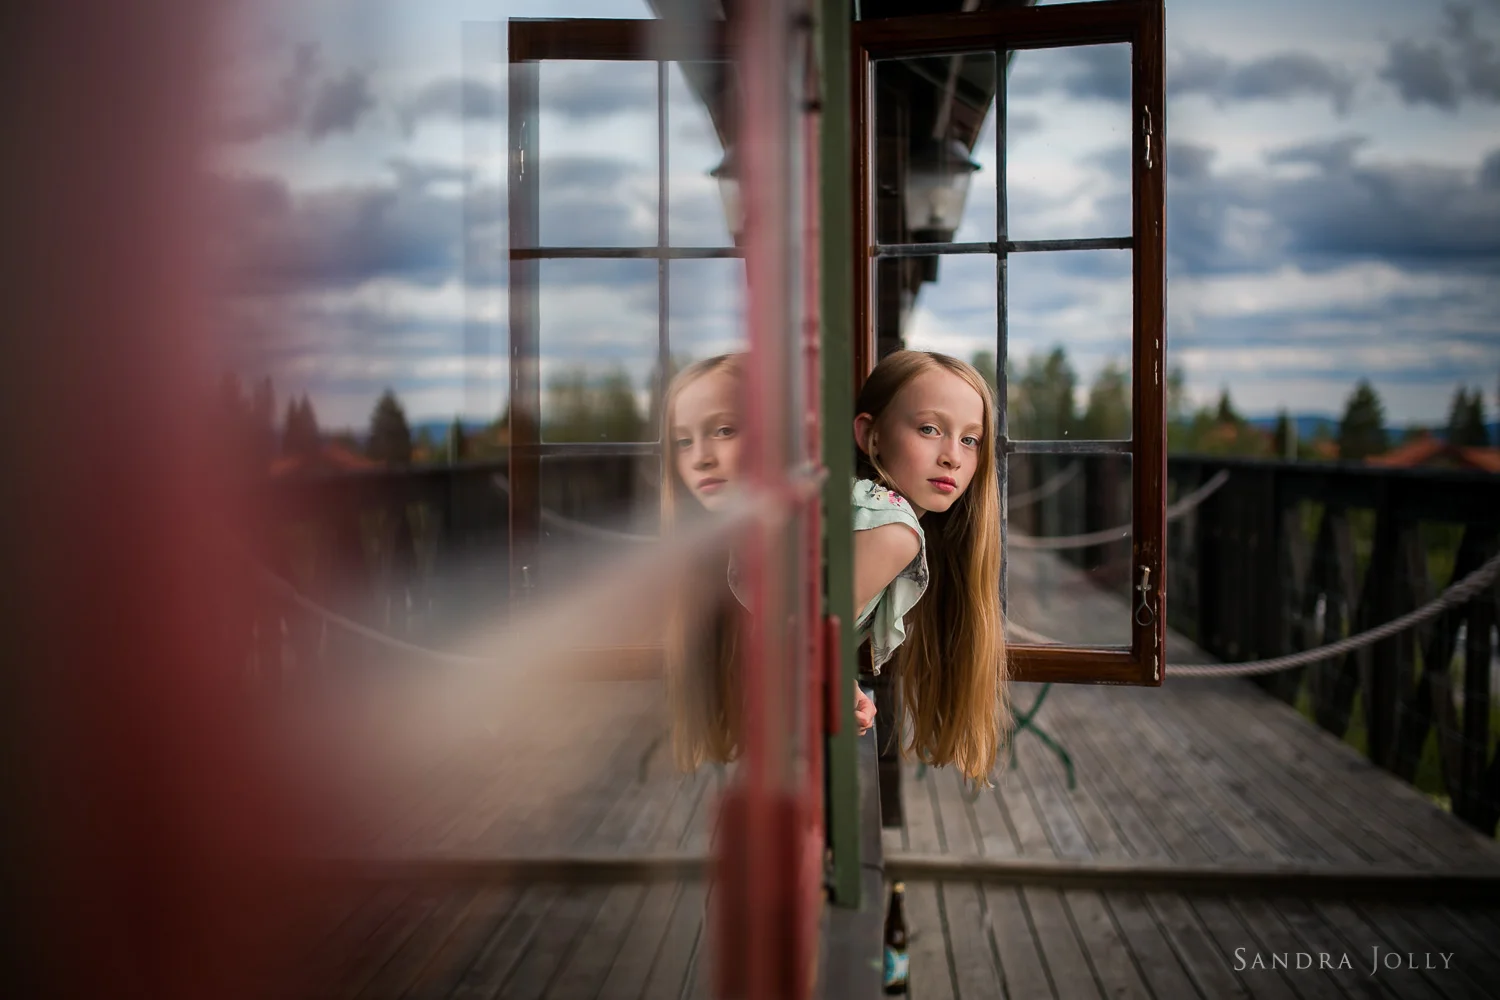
<point x="702" y="650"/>
<point x="952" y="671"/>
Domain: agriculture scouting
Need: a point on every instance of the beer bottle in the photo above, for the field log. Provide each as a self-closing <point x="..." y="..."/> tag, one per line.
<point x="895" y="979"/>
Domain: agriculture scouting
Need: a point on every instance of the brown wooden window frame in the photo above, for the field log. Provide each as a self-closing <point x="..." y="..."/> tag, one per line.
<point x="1138" y="23"/>
<point x="532" y="41"/>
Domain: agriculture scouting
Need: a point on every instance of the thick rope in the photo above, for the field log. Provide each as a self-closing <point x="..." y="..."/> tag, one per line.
<point x="1460" y="593"/>
<point x="1018" y="500"/>
<point x="1176" y="511"/>
<point x="557" y="520"/>
<point x="805" y="483"/>
<point x="290" y="591"/>
<point x="578" y="527"/>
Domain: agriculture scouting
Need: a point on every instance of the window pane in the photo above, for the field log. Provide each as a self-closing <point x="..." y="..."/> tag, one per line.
<point x="1070" y="322"/>
<point x="598" y="347"/>
<point x="706" y="308"/>
<point x="598" y="136"/>
<point x="947" y="305"/>
<point x="1068" y="572"/>
<point x="1067" y="154"/>
<point x="701" y="183"/>
<point x="934" y="149"/>
<point x="592" y="503"/>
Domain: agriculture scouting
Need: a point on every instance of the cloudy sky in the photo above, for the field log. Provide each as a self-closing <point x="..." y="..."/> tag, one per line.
<point x="1333" y="205"/>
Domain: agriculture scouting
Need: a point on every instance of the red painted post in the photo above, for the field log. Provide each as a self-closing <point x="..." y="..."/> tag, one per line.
<point x="140" y="819"/>
<point x="771" y="841"/>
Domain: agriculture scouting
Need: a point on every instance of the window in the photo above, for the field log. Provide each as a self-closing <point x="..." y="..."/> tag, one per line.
<point x="944" y="149"/>
<point x="618" y="217"/>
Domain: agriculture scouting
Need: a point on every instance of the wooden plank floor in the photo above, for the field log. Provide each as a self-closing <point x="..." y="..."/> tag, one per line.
<point x="1198" y="772"/>
<point x="591" y="778"/>
<point x="1202" y="772"/>
<point x="994" y="941"/>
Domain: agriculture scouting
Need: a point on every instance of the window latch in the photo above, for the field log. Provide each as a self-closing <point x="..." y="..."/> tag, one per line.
<point x="1146" y="133"/>
<point x="1145" y="613"/>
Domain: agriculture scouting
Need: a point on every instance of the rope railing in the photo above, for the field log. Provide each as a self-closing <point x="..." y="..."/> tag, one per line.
<point x="1016" y="501"/>
<point x="1176" y="511"/>
<point x="556" y="520"/>
<point x="1460" y="593"/>
<point x="751" y="506"/>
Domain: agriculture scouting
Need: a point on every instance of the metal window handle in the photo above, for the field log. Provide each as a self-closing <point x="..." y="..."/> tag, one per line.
<point x="1146" y="131"/>
<point x="1144" y="604"/>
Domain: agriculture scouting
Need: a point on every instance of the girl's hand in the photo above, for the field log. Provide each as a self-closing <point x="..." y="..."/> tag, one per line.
<point x="864" y="711"/>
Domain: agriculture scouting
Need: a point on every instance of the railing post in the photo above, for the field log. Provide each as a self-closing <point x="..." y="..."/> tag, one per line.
<point x="1381" y="682"/>
<point x="1470" y="802"/>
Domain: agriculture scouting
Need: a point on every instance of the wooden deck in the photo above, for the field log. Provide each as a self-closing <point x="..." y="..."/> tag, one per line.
<point x="1228" y="778"/>
<point x="1207" y="774"/>
<point x="581" y="778"/>
<point x="1226" y="792"/>
<point x="1200" y="779"/>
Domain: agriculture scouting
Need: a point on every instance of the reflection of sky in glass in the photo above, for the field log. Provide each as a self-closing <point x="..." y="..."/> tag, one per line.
<point x="1067" y="160"/>
<point x="956" y="314"/>
<point x="695" y="213"/>
<point x="597" y="317"/>
<point x="598" y="173"/>
<point x="977" y="225"/>
<point x="706" y="307"/>
<point x="1079" y="300"/>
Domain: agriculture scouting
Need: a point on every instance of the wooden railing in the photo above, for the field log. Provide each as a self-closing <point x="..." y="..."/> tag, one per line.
<point x="411" y="552"/>
<point x="1287" y="556"/>
<point x="1284" y="557"/>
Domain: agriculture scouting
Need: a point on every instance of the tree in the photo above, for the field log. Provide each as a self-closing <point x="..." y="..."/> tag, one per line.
<point x="1226" y="414"/>
<point x="1108" y="415"/>
<point x="1466" y="419"/>
<point x="577" y="410"/>
<point x="1284" y="438"/>
<point x="457" y="443"/>
<point x="300" y="434"/>
<point x="390" y="435"/>
<point x="984" y="363"/>
<point x="261" y="427"/>
<point x="232" y="398"/>
<point x="1362" y="429"/>
<point x="1045" y="409"/>
<point x="263" y="406"/>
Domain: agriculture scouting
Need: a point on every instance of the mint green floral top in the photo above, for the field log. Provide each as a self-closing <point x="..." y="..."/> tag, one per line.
<point x="882" y="620"/>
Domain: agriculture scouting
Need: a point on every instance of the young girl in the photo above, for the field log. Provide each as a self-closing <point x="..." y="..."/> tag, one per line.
<point x="927" y="554"/>
<point x="700" y="425"/>
<point x="700" y="431"/>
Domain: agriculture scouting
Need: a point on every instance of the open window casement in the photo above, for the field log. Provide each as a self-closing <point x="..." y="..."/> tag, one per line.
<point x="984" y="138"/>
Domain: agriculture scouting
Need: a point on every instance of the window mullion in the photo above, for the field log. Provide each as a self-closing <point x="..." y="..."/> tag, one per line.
<point x="1002" y="326"/>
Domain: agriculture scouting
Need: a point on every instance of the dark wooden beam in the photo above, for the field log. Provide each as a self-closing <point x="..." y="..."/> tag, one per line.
<point x="1261" y="880"/>
<point x="1091" y="23"/>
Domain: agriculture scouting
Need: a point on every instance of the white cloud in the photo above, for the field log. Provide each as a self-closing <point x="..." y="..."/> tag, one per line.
<point x="1193" y="301"/>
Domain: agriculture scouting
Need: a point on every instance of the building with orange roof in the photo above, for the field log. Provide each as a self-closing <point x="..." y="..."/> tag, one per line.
<point x="331" y="457"/>
<point x="1431" y="452"/>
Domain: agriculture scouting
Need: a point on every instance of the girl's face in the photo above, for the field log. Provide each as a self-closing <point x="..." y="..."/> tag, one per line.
<point x="928" y="439"/>
<point x="705" y="437"/>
